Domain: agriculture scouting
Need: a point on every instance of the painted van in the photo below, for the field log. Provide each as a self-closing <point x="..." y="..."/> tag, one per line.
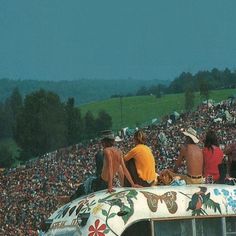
<point x="200" y="210"/>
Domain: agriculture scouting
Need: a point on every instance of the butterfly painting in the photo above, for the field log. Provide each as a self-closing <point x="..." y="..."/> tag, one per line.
<point x="169" y="198"/>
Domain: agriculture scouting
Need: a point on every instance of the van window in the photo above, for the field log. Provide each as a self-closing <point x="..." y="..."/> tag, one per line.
<point x="141" y="228"/>
<point x="196" y="227"/>
<point x="173" y="228"/>
<point x="231" y="226"/>
<point x="209" y="227"/>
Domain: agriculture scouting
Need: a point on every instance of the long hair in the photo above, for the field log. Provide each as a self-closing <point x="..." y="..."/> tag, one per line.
<point x="189" y="140"/>
<point x="211" y="140"/>
<point x="140" y="137"/>
<point x="108" y="142"/>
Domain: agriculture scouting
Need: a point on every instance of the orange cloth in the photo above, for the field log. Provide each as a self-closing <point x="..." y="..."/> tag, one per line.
<point x="144" y="162"/>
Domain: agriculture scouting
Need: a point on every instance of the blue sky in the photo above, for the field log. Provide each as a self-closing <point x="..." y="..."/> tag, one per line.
<point x="152" y="39"/>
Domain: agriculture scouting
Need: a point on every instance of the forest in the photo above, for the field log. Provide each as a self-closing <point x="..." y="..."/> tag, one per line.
<point x="41" y="123"/>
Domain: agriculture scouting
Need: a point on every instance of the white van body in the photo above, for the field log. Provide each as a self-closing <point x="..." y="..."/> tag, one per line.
<point x="166" y="210"/>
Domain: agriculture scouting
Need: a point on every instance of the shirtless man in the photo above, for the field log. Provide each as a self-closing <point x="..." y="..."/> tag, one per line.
<point x="112" y="164"/>
<point x="193" y="156"/>
<point x="230" y="151"/>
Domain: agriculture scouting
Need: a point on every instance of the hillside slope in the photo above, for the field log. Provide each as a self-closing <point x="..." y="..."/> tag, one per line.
<point x="131" y="111"/>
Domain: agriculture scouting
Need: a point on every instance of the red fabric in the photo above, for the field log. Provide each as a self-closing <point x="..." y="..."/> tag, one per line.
<point x="212" y="158"/>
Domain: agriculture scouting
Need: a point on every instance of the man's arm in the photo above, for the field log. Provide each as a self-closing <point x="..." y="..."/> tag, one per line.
<point x="127" y="174"/>
<point x="121" y="175"/>
<point x="130" y="154"/>
<point x="228" y="152"/>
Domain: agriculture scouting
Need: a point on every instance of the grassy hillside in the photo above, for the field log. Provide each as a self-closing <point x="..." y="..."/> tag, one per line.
<point x="129" y="111"/>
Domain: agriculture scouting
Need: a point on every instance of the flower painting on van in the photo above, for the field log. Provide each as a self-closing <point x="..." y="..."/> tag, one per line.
<point x="97" y="229"/>
<point x="229" y="197"/>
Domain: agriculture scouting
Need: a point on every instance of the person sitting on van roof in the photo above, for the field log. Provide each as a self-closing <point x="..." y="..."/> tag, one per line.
<point x="212" y="155"/>
<point x="192" y="154"/>
<point x="112" y="163"/>
<point x="140" y="162"/>
<point x="230" y="151"/>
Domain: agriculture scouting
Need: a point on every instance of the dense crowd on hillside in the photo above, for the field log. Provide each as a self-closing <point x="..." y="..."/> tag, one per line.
<point x="29" y="193"/>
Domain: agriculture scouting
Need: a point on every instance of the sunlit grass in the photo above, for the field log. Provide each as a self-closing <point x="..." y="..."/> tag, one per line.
<point x="129" y="111"/>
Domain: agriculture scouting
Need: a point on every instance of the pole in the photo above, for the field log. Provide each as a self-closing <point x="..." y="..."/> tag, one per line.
<point x="121" y="111"/>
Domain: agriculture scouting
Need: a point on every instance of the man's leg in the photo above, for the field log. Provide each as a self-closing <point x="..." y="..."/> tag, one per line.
<point x="130" y="165"/>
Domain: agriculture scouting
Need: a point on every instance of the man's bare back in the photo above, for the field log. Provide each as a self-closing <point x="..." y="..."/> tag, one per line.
<point x="113" y="162"/>
<point x="194" y="159"/>
<point x="192" y="154"/>
<point x="114" y="155"/>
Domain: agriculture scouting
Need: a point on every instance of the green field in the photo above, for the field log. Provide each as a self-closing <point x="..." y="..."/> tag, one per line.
<point x="130" y="111"/>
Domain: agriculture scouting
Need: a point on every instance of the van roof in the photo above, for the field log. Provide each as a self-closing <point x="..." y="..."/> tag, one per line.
<point x="114" y="212"/>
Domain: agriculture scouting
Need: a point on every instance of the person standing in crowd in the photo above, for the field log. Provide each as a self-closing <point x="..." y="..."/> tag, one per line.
<point x="141" y="162"/>
<point x="230" y="151"/>
<point x="112" y="163"/>
<point x="212" y="156"/>
<point x="192" y="154"/>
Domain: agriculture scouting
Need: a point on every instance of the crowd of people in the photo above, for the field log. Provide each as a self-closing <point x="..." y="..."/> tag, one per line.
<point x="29" y="193"/>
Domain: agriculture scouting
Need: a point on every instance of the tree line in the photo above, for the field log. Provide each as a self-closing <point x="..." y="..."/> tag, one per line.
<point x="214" y="79"/>
<point x="82" y="90"/>
<point x="41" y="123"/>
<point x="187" y="83"/>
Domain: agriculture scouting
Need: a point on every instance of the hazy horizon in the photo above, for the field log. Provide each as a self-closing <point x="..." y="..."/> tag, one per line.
<point x="58" y="40"/>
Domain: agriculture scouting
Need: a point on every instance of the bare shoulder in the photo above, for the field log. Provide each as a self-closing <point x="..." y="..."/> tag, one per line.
<point x="198" y="148"/>
<point x="119" y="151"/>
<point x="192" y="146"/>
<point x="183" y="148"/>
<point x="112" y="150"/>
<point x="194" y="149"/>
<point x="107" y="151"/>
